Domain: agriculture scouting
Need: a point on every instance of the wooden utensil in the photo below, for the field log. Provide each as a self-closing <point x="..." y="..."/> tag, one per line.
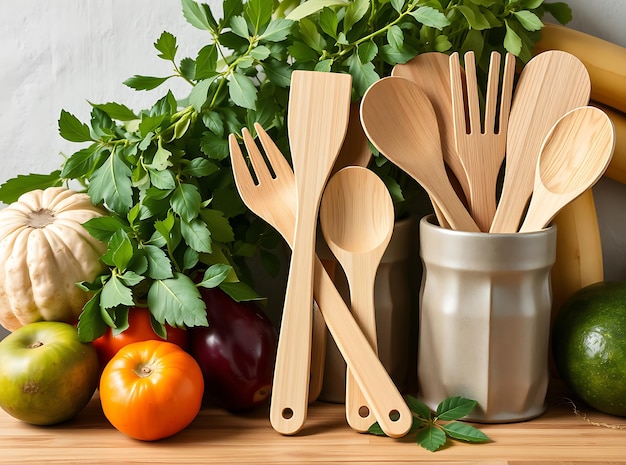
<point x="357" y="218"/>
<point x="551" y="84"/>
<point x="574" y="155"/>
<point x="481" y="144"/>
<point x="431" y="72"/>
<point x="400" y="121"/>
<point x="317" y="120"/>
<point x="355" y="151"/>
<point x="272" y="197"/>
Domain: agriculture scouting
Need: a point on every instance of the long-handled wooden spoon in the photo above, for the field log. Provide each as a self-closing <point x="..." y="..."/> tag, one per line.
<point x="357" y="217"/>
<point x="400" y="121"/>
<point x="574" y="155"/>
<point x="431" y="72"/>
<point x="317" y="120"/>
<point x="550" y="85"/>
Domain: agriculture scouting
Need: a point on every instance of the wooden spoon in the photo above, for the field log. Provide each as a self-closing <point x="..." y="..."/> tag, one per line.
<point x="400" y="121"/>
<point x="357" y="218"/>
<point x="317" y="119"/>
<point x="550" y="85"/>
<point x="574" y="155"/>
<point x="431" y="72"/>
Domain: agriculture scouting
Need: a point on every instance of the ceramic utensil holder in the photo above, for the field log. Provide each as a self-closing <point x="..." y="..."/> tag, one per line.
<point x="484" y="325"/>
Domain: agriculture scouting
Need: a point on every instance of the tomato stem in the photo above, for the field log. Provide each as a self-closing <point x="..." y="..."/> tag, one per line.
<point x="143" y="371"/>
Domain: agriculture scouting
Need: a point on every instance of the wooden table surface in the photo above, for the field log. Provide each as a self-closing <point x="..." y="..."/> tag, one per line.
<point x="557" y="437"/>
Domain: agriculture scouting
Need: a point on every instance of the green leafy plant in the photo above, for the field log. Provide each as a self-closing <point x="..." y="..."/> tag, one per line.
<point x="433" y="430"/>
<point x="163" y="173"/>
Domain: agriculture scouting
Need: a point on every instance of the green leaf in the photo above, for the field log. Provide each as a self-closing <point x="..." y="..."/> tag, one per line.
<point x="166" y="44"/>
<point x="177" y="301"/>
<point x="354" y="13"/>
<point x="376" y="430"/>
<point x="197" y="235"/>
<point x="398" y="4"/>
<point x="329" y="21"/>
<point x="161" y="159"/>
<point x="139" y="82"/>
<point x="164" y="180"/>
<point x="198" y="168"/>
<point x="277" y="30"/>
<point x="367" y="51"/>
<point x="239" y="26"/>
<point x="206" y="62"/>
<point x="199" y="15"/>
<point x="464" y="432"/>
<point x="418" y="407"/>
<point x="311" y="7"/>
<point x="159" y="266"/>
<point x="71" y="129"/>
<point x="512" y="41"/>
<point x="130" y="278"/>
<point x="474" y="17"/>
<point x="104" y="227"/>
<point x="559" y="10"/>
<point x="311" y="36"/>
<point x="199" y="93"/>
<point x="221" y="229"/>
<point x="187" y="68"/>
<point x="242" y="91"/>
<point x="395" y="37"/>
<point x="258" y="13"/>
<point x="454" y="408"/>
<point x="528" y="20"/>
<point x="115" y="293"/>
<point x="11" y="189"/>
<point x="431" y="438"/>
<point x="239" y="291"/>
<point x="116" y="111"/>
<point x="90" y="324"/>
<point x="279" y="73"/>
<point x="430" y="17"/>
<point x="119" y="251"/>
<point x="260" y="52"/>
<point x="186" y="201"/>
<point x="111" y="183"/>
<point x="363" y="74"/>
<point x="215" y="275"/>
<point x="82" y="163"/>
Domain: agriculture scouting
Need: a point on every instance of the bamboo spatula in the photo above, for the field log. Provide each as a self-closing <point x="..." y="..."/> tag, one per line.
<point x="317" y="120"/>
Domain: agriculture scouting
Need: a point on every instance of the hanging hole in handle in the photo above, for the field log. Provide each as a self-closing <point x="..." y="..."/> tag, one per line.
<point x="364" y="411"/>
<point x="287" y="413"/>
<point x="394" y="415"/>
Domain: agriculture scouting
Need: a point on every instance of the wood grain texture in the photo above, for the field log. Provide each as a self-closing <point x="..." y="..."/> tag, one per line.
<point x="216" y="437"/>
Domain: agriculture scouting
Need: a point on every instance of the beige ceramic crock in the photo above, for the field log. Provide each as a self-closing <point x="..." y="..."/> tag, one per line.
<point x="485" y="303"/>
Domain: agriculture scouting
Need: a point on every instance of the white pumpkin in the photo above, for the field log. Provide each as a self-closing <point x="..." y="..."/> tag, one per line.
<point x="44" y="252"/>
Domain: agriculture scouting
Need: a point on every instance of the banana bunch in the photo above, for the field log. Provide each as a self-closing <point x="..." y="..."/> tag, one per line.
<point x="579" y="250"/>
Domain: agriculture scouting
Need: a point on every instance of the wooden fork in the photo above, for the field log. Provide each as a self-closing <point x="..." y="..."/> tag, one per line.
<point x="482" y="148"/>
<point x="272" y="198"/>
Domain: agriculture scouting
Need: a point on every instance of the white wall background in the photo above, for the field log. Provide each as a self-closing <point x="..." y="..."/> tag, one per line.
<point x="59" y="54"/>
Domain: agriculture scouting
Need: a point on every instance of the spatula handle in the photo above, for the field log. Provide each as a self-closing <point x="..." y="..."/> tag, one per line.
<point x="290" y="387"/>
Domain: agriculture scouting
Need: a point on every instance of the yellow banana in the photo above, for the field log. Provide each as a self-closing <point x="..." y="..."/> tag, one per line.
<point x="605" y="61"/>
<point x="617" y="168"/>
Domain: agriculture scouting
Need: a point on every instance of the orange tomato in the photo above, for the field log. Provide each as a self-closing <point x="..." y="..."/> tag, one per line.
<point x="139" y="329"/>
<point x="151" y="390"/>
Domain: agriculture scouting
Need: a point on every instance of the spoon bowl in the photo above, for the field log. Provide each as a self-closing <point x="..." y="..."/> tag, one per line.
<point x="400" y="121"/>
<point x="357" y="218"/>
<point x="574" y="155"/>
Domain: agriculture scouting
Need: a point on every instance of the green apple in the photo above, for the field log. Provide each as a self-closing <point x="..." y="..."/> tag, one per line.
<point x="46" y="374"/>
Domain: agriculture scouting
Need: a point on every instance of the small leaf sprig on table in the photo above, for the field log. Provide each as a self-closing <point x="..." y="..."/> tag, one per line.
<point x="432" y="434"/>
<point x="163" y="173"/>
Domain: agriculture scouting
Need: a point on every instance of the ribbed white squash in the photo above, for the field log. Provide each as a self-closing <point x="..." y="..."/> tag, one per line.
<point x="44" y="252"/>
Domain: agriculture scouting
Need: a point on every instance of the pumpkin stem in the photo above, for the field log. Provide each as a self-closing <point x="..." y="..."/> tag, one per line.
<point x="40" y="218"/>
